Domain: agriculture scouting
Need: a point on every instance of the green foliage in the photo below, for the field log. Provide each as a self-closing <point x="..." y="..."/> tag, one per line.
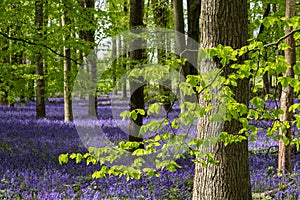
<point x="4" y="146"/>
<point x="63" y="158"/>
<point x="16" y="82"/>
<point x="263" y="58"/>
<point x="162" y="143"/>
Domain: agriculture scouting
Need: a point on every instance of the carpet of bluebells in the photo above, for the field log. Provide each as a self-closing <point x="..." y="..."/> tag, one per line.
<point x="30" y="168"/>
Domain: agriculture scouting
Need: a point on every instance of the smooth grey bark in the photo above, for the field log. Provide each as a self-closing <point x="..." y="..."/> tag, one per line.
<point x="161" y="20"/>
<point x="180" y="43"/>
<point x="123" y="52"/>
<point x="179" y="27"/>
<point x="40" y="80"/>
<point x="114" y="65"/>
<point x="123" y="55"/>
<point x="88" y="35"/>
<point x="227" y="24"/>
<point x="287" y="95"/>
<point x="68" y="112"/>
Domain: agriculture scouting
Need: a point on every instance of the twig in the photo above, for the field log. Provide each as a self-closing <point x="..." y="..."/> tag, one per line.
<point x="269" y="149"/>
<point x="272" y="193"/>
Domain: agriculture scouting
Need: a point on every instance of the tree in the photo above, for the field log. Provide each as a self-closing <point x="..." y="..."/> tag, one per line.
<point x="88" y="34"/>
<point x="40" y="79"/>
<point x="160" y="8"/>
<point x="179" y="27"/>
<point x="180" y="41"/>
<point x="287" y="96"/>
<point x="68" y="113"/>
<point x="193" y="35"/>
<point x="136" y="56"/>
<point x="266" y="79"/>
<point x="229" y="178"/>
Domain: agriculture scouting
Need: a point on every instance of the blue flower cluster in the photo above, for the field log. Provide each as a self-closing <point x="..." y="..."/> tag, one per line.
<point x="30" y="170"/>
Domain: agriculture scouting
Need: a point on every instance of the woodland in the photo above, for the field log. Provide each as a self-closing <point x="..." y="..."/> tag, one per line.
<point x="149" y="99"/>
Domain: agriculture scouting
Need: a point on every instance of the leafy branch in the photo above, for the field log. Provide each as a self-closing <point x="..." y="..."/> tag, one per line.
<point x="37" y="44"/>
<point x="282" y="38"/>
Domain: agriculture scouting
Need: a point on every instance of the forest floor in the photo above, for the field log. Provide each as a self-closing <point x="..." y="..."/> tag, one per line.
<point x="29" y="169"/>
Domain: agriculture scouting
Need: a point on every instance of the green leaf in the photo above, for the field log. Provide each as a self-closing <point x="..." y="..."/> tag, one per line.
<point x="78" y="158"/>
<point x="92" y="160"/>
<point x="86" y="155"/>
<point x="125" y="114"/>
<point x="294" y="107"/>
<point x="150" y="172"/>
<point x="102" y="173"/>
<point x="297" y="68"/>
<point x="133" y="114"/>
<point x="139" y="152"/>
<point x="252" y="138"/>
<point x="157" y="138"/>
<point x="268" y="21"/>
<point x="193" y="80"/>
<point x="297" y="36"/>
<point x="257" y="102"/>
<point x="154" y="108"/>
<point x="140" y="111"/>
<point x="283" y="46"/>
<point x="73" y="156"/>
<point x="297" y="119"/>
<point x="63" y="158"/>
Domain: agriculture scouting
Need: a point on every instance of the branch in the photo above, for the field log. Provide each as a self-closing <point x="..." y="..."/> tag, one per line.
<point x="282" y="38"/>
<point x="272" y="193"/>
<point x="34" y="43"/>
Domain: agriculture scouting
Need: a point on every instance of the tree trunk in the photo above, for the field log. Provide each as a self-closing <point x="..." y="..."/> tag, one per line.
<point x="287" y="95"/>
<point x="123" y="51"/>
<point x="193" y="35"/>
<point x="88" y="35"/>
<point x="68" y="113"/>
<point x="266" y="80"/>
<point x="180" y="43"/>
<point x="93" y="108"/>
<point x="136" y="56"/>
<point x="114" y="66"/>
<point x="123" y="55"/>
<point x="40" y="80"/>
<point x="179" y="26"/>
<point x="227" y="24"/>
<point x="160" y="12"/>
<point x="6" y="60"/>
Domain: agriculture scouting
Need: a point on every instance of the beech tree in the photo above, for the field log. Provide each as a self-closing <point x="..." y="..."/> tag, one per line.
<point x="136" y="56"/>
<point x="88" y="35"/>
<point x="193" y="35"/>
<point x="68" y="113"/>
<point x="40" y="79"/>
<point x="287" y="96"/>
<point x="229" y="178"/>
